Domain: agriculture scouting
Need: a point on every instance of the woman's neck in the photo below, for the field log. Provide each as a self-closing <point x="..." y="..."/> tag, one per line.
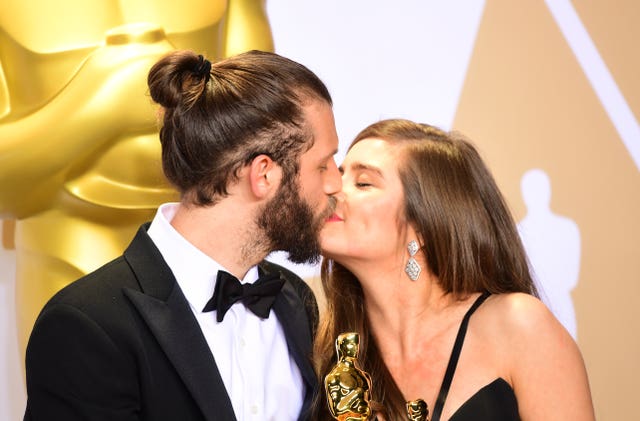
<point x="404" y="314"/>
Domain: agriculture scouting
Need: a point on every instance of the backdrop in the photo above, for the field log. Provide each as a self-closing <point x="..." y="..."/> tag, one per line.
<point x="549" y="93"/>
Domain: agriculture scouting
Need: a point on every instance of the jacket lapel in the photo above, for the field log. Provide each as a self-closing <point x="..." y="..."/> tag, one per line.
<point x="293" y="317"/>
<point x="291" y="314"/>
<point x="166" y="311"/>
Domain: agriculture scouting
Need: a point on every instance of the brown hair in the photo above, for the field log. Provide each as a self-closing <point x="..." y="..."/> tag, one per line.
<point x="469" y="241"/>
<point x="216" y="121"/>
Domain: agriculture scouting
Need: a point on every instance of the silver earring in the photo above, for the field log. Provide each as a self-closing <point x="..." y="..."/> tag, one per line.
<point x="412" y="269"/>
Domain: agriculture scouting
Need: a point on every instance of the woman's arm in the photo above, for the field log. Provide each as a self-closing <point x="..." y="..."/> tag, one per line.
<point x="547" y="370"/>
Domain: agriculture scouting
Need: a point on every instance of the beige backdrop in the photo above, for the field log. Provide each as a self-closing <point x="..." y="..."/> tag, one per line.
<point x="527" y="103"/>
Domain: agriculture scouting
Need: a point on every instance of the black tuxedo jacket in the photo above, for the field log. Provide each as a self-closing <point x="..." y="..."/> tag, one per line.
<point x="122" y="344"/>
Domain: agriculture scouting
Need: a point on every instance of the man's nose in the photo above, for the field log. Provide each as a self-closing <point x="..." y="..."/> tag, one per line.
<point x="333" y="179"/>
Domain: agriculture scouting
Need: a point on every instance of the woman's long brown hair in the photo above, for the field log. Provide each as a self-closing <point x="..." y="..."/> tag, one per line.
<point x="470" y="244"/>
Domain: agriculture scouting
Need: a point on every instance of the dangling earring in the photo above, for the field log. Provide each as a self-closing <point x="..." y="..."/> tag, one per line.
<point x="412" y="269"/>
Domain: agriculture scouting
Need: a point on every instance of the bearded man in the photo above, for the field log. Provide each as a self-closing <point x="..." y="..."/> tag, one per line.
<point x="191" y="322"/>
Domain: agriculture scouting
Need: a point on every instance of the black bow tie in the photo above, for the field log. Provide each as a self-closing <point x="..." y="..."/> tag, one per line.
<point x="258" y="297"/>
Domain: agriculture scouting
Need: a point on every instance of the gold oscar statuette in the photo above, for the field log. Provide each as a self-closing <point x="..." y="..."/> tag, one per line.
<point x="348" y="387"/>
<point x="417" y="410"/>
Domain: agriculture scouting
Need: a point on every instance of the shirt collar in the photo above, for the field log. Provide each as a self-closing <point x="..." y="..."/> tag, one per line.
<point x="194" y="271"/>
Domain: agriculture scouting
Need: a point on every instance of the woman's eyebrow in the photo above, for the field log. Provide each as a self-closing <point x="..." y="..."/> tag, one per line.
<point x="359" y="166"/>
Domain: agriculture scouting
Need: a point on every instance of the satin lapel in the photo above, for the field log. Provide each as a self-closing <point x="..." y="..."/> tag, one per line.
<point x="295" y="323"/>
<point x="166" y="311"/>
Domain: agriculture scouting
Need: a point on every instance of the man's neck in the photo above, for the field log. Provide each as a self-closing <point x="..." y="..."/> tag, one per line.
<point x="226" y="232"/>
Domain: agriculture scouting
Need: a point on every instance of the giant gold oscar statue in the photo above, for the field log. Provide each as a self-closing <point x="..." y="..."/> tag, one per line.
<point x="79" y="152"/>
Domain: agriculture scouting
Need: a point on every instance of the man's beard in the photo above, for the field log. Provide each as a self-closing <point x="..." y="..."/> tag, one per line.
<point x="288" y="223"/>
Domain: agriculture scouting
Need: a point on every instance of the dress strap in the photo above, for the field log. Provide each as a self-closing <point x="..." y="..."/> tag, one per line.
<point x="453" y="360"/>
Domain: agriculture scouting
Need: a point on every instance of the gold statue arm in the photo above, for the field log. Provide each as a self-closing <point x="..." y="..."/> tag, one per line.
<point x="105" y="100"/>
<point x="246" y="28"/>
<point x="350" y="400"/>
<point x="4" y="94"/>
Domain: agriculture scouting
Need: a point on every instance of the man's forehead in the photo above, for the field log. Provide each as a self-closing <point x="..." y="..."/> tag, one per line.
<point x="319" y="115"/>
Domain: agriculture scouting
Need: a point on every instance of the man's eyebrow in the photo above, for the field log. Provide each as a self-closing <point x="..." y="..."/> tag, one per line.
<point x="332" y="153"/>
<point x="325" y="158"/>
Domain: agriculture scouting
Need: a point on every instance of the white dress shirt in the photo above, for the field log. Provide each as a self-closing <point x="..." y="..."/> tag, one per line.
<point x="261" y="378"/>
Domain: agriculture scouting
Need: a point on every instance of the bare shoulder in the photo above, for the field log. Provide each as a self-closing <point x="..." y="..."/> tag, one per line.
<point x="526" y="324"/>
<point x="521" y="315"/>
<point x="517" y="304"/>
<point x="524" y="332"/>
<point x="542" y="361"/>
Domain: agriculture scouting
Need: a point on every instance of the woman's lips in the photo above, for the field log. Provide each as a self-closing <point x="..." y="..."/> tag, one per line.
<point x="334" y="218"/>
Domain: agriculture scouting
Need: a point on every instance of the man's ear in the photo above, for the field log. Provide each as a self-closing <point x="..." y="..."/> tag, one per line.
<point x="264" y="176"/>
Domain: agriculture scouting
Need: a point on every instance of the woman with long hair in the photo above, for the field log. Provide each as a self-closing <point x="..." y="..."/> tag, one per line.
<point x="424" y="262"/>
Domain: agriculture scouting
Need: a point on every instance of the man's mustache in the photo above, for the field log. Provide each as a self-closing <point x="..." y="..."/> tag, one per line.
<point x="331" y="207"/>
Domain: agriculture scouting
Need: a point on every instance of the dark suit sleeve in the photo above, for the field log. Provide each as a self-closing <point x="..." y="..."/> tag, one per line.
<point x="74" y="370"/>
